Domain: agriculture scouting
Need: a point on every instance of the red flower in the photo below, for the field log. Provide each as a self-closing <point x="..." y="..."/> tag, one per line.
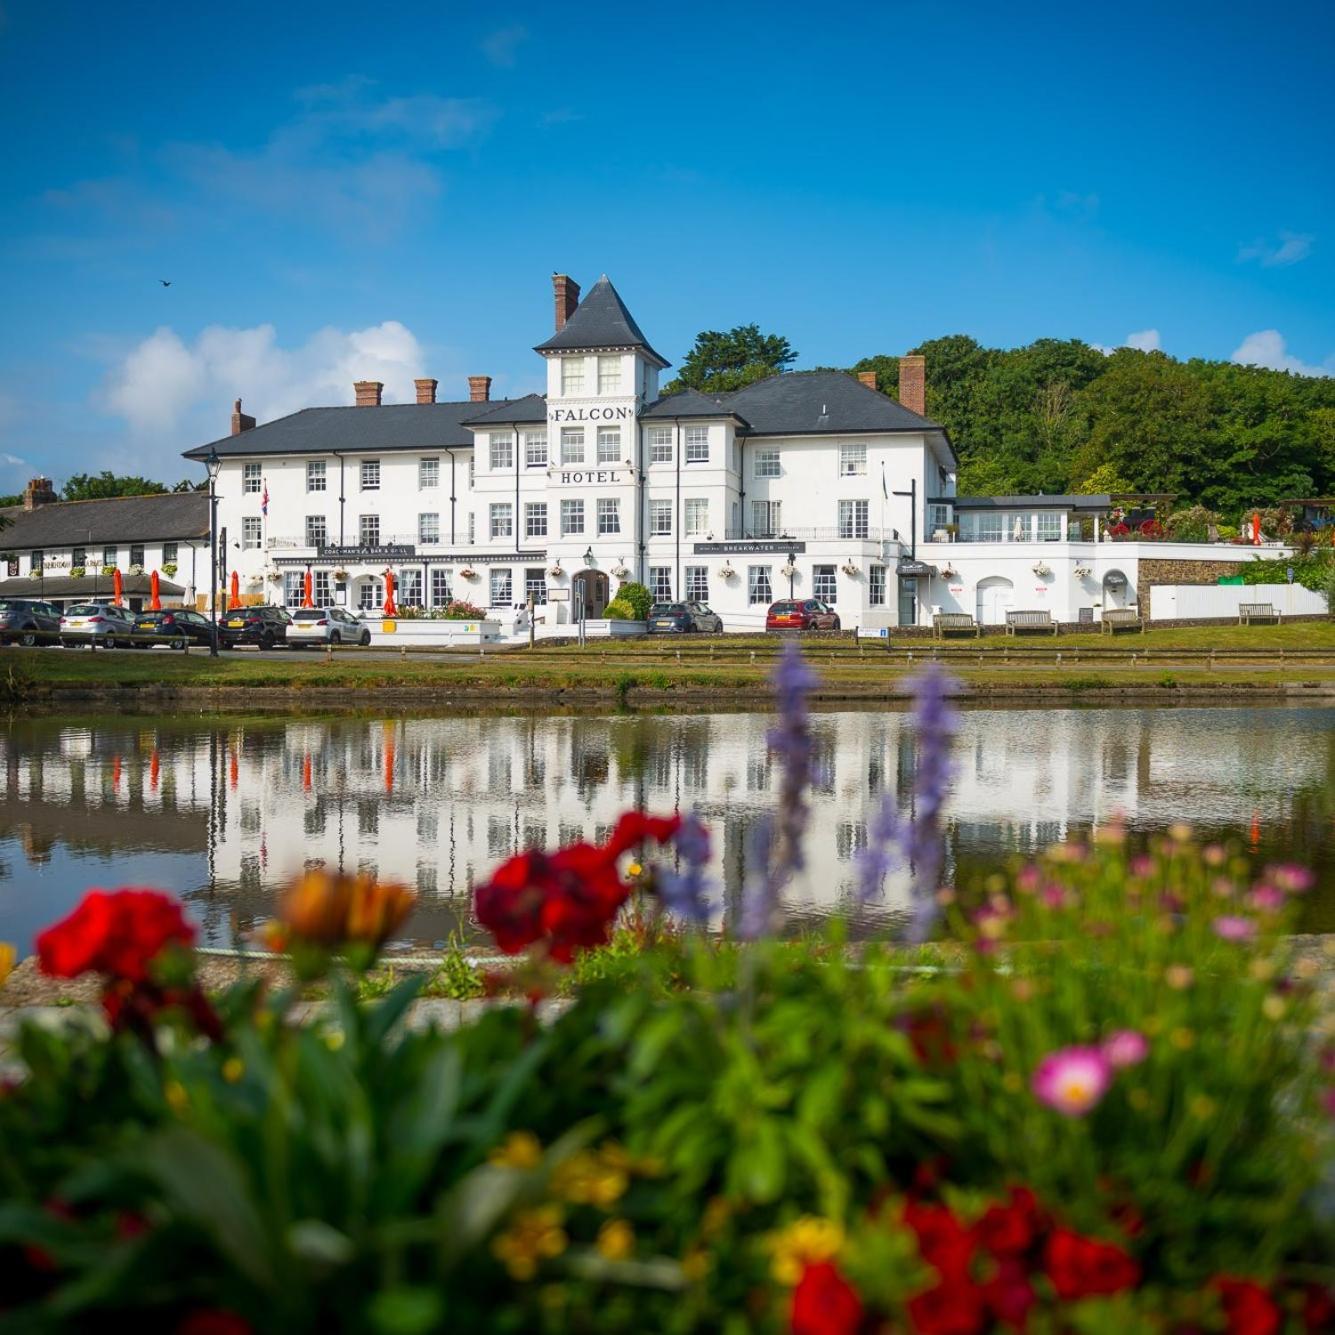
<point x="1318" y="1308"/>
<point x="117" y="933"/>
<point x="136" y="1006"/>
<point x="213" y="1321"/>
<point x="1010" y="1229"/>
<point x="1009" y="1295"/>
<point x="953" y="1307"/>
<point x="943" y="1241"/>
<point x="634" y="827"/>
<point x="1248" y="1307"/>
<point x="1081" y="1267"/>
<point x="824" y="1303"/>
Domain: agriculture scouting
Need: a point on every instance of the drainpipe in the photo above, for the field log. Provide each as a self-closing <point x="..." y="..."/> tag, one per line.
<point x="342" y="501"/>
<point x="517" y="507"/>
<point x="642" y="482"/>
<point x="741" y="488"/>
<point x="453" y="498"/>
<point x="677" y="527"/>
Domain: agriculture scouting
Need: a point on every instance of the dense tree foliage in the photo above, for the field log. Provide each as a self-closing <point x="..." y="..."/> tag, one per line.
<point x="719" y="362"/>
<point x="100" y="486"/>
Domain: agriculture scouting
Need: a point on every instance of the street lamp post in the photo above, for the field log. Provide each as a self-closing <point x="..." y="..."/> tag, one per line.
<point x="213" y="464"/>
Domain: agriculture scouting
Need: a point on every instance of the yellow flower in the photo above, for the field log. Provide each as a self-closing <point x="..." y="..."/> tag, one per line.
<point x="616" y="1240"/>
<point x="1202" y="1107"/>
<point x="334" y="1039"/>
<point x="174" y="1092"/>
<point x="1183" y="1038"/>
<point x="584" y="1179"/>
<point x="7" y="957"/>
<point x="805" y="1240"/>
<point x="533" y="1236"/>
<point x="695" y="1265"/>
<point x="634" y="869"/>
<point x="521" y="1149"/>
<point x="1178" y="977"/>
<point x="233" y="1069"/>
<point x="1273" y="1007"/>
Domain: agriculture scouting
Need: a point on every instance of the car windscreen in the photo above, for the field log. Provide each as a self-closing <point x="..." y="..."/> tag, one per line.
<point x="782" y="608"/>
<point x="9" y="605"/>
<point x="85" y="610"/>
<point x="309" y="614"/>
<point x="669" y="609"/>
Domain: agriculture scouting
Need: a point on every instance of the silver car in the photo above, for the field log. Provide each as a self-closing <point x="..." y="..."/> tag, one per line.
<point x="97" y="624"/>
<point x="325" y="625"/>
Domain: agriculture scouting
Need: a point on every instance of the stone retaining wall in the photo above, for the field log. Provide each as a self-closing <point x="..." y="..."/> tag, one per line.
<point x="1157" y="570"/>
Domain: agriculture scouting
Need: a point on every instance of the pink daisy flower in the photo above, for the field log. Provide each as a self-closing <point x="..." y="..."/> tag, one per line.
<point x="1073" y="1080"/>
<point x="1230" y="927"/>
<point x="1125" y="1047"/>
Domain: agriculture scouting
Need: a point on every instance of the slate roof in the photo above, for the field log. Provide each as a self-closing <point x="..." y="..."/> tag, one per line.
<point x="1053" y="502"/>
<point x="86" y="589"/>
<point x="531" y="408"/>
<point x="174" y="516"/>
<point x="688" y="403"/>
<point x="601" y="320"/>
<point x="798" y="403"/>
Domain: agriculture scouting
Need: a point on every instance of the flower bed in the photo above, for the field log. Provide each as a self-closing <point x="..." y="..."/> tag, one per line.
<point x="1113" y="1116"/>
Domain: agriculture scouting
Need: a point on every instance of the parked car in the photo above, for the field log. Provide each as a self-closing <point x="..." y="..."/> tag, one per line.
<point x="326" y="625"/>
<point x="264" y="626"/>
<point x="26" y="622"/>
<point x="173" y="626"/>
<point x="101" y="625"/>
<point x="666" y="618"/>
<point x="801" y="614"/>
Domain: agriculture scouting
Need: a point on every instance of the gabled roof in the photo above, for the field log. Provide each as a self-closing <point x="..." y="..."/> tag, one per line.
<point x="800" y="403"/>
<point x="531" y="408"/>
<point x="173" y="516"/>
<point x="393" y="426"/>
<point x="689" y="403"/>
<point x="601" y="320"/>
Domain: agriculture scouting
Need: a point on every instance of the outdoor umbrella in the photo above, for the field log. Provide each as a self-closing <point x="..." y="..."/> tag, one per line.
<point x="308" y="594"/>
<point x="1256" y="528"/>
<point x="236" y="588"/>
<point x="117" y="586"/>
<point x="154" y="601"/>
<point x="389" y="609"/>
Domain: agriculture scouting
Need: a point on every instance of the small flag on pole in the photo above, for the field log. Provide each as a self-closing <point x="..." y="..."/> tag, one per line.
<point x="884" y="492"/>
<point x="264" y="500"/>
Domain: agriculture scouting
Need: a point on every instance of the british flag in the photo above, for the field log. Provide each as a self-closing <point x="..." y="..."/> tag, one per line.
<point x="264" y="500"/>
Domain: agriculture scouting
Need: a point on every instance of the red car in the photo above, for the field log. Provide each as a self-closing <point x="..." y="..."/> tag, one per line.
<point x="801" y="614"/>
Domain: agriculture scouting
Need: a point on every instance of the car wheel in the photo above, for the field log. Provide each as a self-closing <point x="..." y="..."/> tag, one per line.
<point x="178" y="643"/>
<point x="335" y="638"/>
<point x="28" y="639"/>
<point x="366" y="639"/>
<point x="266" y="642"/>
<point x="836" y="625"/>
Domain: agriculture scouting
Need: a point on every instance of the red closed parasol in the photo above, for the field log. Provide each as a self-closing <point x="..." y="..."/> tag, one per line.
<point x="236" y="589"/>
<point x="154" y="587"/>
<point x="390" y="610"/>
<point x="308" y="593"/>
<point x="117" y="587"/>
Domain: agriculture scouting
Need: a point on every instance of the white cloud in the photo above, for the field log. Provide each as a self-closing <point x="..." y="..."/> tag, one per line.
<point x="1144" y="340"/>
<point x="502" y="46"/>
<point x="1290" y="248"/>
<point x="1267" y="348"/>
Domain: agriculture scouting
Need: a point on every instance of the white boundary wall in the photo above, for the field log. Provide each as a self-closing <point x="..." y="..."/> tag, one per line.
<point x="1171" y="602"/>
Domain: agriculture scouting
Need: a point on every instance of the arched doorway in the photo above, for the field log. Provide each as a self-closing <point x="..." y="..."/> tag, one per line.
<point x="368" y="593"/>
<point x="1116" y="590"/>
<point x="591" y="594"/>
<point x="995" y="595"/>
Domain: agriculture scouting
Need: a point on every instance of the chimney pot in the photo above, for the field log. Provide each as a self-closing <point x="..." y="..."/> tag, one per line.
<point x="240" y="421"/>
<point x="368" y="392"/>
<point x="868" y="378"/>
<point x="39" y="491"/>
<point x="479" y="388"/>
<point x="426" y="391"/>
<point x="566" y="291"/>
<point x="913" y="383"/>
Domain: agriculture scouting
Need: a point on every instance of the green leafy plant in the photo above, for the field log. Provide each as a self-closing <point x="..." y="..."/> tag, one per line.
<point x="621" y="610"/>
<point x="639" y="598"/>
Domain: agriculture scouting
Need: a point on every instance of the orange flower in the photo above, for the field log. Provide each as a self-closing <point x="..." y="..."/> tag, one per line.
<point x="325" y="913"/>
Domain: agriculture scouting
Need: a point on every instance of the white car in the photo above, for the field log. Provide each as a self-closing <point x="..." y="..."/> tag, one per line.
<point x="325" y="625"/>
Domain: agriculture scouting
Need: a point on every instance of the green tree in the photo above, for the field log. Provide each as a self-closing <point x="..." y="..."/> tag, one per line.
<point x="1105" y="480"/>
<point x="720" y="362"/>
<point x="100" y="486"/>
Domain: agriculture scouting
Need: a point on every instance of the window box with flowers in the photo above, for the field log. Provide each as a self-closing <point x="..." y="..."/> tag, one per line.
<point x="109" y="570"/>
<point x="169" y="568"/>
<point x="76" y="572"/>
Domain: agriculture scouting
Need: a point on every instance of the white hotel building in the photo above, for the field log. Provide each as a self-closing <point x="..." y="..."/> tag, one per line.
<point x="806" y="484"/>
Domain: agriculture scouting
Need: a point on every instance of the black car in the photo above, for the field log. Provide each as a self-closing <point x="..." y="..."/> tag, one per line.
<point x="24" y="621"/>
<point x="174" y="626"/>
<point x="264" y="626"/>
<point x="665" y="618"/>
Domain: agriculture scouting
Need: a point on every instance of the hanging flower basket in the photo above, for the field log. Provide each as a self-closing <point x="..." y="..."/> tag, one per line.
<point x="555" y="571"/>
<point x="1081" y="572"/>
<point x="136" y="570"/>
<point x="169" y="568"/>
<point x="341" y="576"/>
<point x="468" y="573"/>
<point x="727" y="572"/>
<point x="1041" y="568"/>
<point x="620" y="570"/>
<point x="849" y="568"/>
<point x="948" y="572"/>
<point x="788" y="570"/>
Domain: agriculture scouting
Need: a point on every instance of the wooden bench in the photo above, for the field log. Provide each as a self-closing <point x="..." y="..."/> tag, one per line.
<point x="1038" y="620"/>
<point x="1249" y="612"/>
<point x="1122" y="618"/>
<point x="954" y="623"/>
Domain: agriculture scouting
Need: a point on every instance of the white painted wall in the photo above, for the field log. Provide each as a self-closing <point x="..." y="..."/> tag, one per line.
<point x="1171" y="601"/>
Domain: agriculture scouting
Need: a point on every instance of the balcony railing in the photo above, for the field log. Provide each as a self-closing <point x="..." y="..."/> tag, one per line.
<point x="355" y="540"/>
<point x="838" y="533"/>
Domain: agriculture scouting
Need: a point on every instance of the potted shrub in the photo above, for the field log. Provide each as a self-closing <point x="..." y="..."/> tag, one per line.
<point x="638" y="598"/>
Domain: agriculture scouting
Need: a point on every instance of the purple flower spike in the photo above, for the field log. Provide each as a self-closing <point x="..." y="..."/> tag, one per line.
<point x="686" y="892"/>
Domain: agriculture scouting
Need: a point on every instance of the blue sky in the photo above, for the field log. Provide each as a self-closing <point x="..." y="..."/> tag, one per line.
<point x="337" y="192"/>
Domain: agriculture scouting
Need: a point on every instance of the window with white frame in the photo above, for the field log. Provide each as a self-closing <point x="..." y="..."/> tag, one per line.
<point x="767" y="463"/>
<point x="472" y="468"/>
<point x="251" y="480"/>
<point x="370" y="595"/>
<point x="368" y="530"/>
<point x="572" y="376"/>
<point x="442" y="587"/>
<point x="609" y="375"/>
<point x="535" y="586"/>
<point x="370" y="474"/>
<point x="170" y="551"/>
<point x="502" y="448"/>
<point x="660" y="518"/>
<point x="853" y="517"/>
<point x="317" y="530"/>
<point x="876" y="586"/>
<point x="323" y="590"/>
<point x="609" y="444"/>
<point x="696" y="516"/>
<point x="697" y="583"/>
<point x="294" y="587"/>
<point x="535" y="519"/>
<point x="572" y="444"/>
<point x="766" y="521"/>
<point x="660" y="583"/>
<point x="502" y="520"/>
<point x="472" y="527"/>
<point x="410" y="588"/>
<point x="660" y="444"/>
<point x="938" y="516"/>
<point x="428" y="473"/>
<point x="823" y="584"/>
<point x="572" y="517"/>
<point x="110" y="555"/>
<point x="989" y="525"/>
<point x="758" y="588"/>
<point x="697" y="444"/>
<point x="137" y="555"/>
<point x="1049" y="526"/>
<point x="501" y="588"/>
<point x="317" y="475"/>
<point x="251" y="528"/>
<point x="609" y="515"/>
<point x="535" y="449"/>
<point x="428" y="527"/>
<point x="852" y="461"/>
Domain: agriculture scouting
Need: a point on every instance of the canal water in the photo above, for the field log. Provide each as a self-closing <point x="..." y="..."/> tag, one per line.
<point x="223" y="813"/>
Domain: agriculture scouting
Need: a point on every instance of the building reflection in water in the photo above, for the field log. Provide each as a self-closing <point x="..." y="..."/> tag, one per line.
<point x="439" y="802"/>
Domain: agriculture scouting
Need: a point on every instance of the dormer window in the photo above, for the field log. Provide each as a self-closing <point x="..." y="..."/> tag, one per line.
<point x="609" y="375"/>
<point x="572" y="376"/>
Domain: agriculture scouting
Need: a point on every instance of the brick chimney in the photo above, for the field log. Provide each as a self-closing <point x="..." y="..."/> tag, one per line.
<point x="38" y="492"/>
<point x="240" y="421"/>
<point x="913" y="383"/>
<point x="368" y="392"/>
<point x="426" y="391"/>
<point x="868" y="378"/>
<point x="566" y="291"/>
<point x="479" y="388"/>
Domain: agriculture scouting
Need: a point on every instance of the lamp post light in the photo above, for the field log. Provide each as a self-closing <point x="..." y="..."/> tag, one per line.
<point x="792" y="570"/>
<point x="213" y="464"/>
